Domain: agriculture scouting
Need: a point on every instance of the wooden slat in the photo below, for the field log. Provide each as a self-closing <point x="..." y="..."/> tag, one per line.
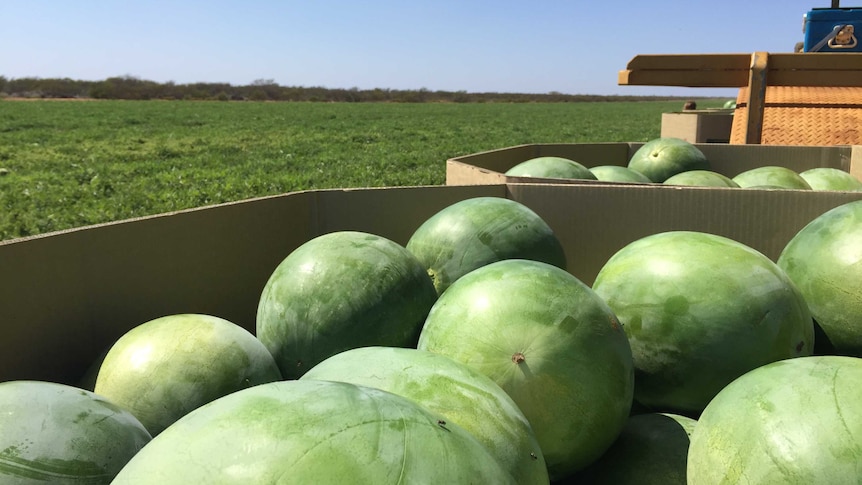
<point x="736" y="79"/>
<point x="687" y="78"/>
<point x="690" y="70"/>
<point x="815" y="78"/>
<point x="732" y="70"/>
<point x="821" y="61"/>
<point x="756" y="97"/>
<point x="817" y="61"/>
<point x="689" y="62"/>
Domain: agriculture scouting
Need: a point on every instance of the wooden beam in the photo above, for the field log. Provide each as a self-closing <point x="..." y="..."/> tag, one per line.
<point x="732" y="70"/>
<point x="756" y="97"/>
<point x="701" y="62"/>
<point x="816" y="69"/>
<point x="687" y="78"/>
<point x="816" y="78"/>
<point x="816" y="61"/>
<point x="690" y="70"/>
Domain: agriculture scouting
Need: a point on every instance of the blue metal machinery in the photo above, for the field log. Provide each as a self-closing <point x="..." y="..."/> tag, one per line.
<point x="833" y="29"/>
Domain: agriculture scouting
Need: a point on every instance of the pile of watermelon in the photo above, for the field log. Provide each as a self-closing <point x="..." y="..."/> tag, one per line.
<point x="471" y="355"/>
<point x="673" y="161"/>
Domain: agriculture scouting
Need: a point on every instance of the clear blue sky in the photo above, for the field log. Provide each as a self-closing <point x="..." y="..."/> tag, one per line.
<point x="574" y="47"/>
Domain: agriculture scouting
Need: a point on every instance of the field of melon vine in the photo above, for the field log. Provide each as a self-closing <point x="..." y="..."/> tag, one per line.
<point x="66" y="164"/>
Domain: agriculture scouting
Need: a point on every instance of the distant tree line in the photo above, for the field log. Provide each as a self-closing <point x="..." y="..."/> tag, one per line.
<point x="131" y="87"/>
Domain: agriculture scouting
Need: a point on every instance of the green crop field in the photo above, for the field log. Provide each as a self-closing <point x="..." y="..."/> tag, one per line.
<point x="65" y="164"/>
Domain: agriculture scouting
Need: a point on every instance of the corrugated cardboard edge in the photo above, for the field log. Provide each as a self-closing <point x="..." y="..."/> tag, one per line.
<point x="856" y="162"/>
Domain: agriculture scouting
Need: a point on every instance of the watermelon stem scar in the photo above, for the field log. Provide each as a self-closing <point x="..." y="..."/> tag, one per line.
<point x="518" y="357"/>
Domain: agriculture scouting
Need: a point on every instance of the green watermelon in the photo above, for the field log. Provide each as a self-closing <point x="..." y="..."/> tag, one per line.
<point x="701" y="178"/>
<point x="771" y="176"/>
<point x="615" y="173"/>
<point x="825" y="178"/>
<point x="60" y="434"/>
<point x="788" y="422"/>
<point x="551" y="167"/>
<point x="340" y="291"/>
<point x="551" y="343"/>
<point x="313" y="432"/>
<point x="444" y="386"/>
<point x="162" y="369"/>
<point x="824" y="259"/>
<point x="474" y="232"/>
<point x="661" y="158"/>
<point x="652" y="449"/>
<point x="700" y="310"/>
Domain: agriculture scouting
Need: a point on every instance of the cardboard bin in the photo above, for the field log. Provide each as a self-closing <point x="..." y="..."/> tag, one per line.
<point x="67" y="296"/>
<point x="698" y="126"/>
<point x="489" y="167"/>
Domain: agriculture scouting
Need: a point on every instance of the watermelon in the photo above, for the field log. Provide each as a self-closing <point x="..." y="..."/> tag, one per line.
<point x="61" y="434"/>
<point x="551" y="167"/>
<point x="444" y="386"/>
<point x="313" y="432"/>
<point x="771" y="176"/>
<point x="701" y="178"/>
<point x="825" y="178"/>
<point x="339" y="291"/>
<point x="164" y="368"/>
<point x="615" y="173"/>
<point x="551" y="343"/>
<point x="792" y="421"/>
<point x="481" y="230"/>
<point x="700" y="310"/>
<point x="824" y="259"/>
<point x="661" y="158"/>
<point x="652" y="449"/>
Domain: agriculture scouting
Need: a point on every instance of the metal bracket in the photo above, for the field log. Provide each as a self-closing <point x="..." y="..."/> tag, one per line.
<point x="843" y="33"/>
<point x="844" y="39"/>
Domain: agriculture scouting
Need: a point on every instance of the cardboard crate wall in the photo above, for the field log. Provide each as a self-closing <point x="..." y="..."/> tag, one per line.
<point x="67" y="296"/>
